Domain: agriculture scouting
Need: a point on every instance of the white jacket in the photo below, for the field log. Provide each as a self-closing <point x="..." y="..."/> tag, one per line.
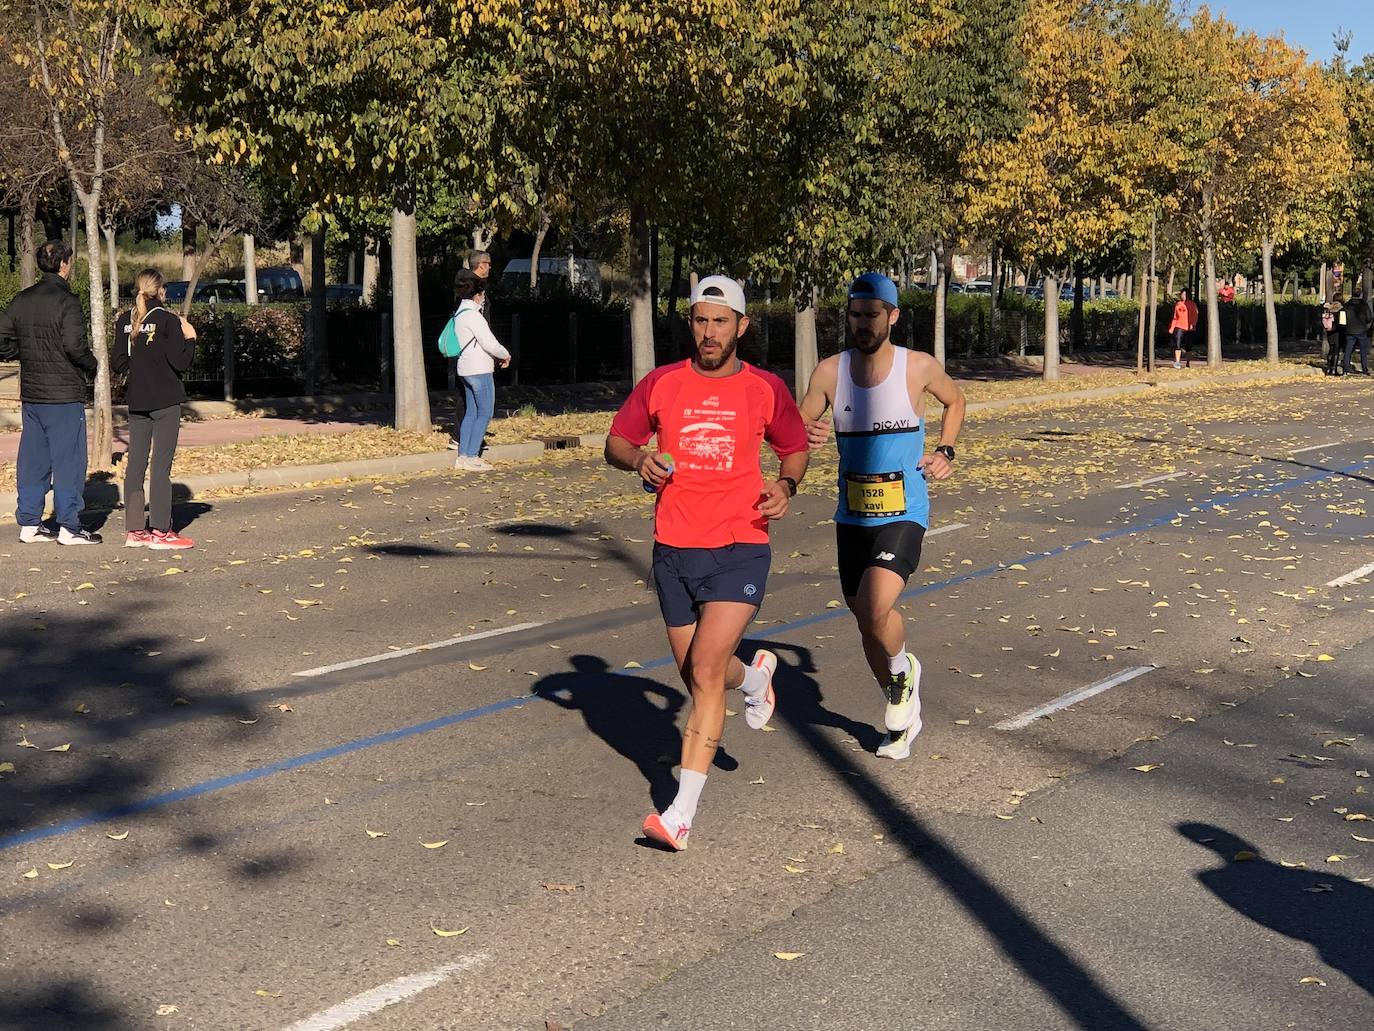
<point x="480" y="346"/>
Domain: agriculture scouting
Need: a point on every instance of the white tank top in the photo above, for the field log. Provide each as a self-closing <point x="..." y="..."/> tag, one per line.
<point x="880" y="440"/>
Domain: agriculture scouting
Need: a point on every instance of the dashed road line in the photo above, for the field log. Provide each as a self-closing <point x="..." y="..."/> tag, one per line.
<point x="1318" y="447"/>
<point x="367" y="660"/>
<point x="1350" y="577"/>
<point x="1152" y="479"/>
<point x="1072" y="698"/>
<point x="350" y="1011"/>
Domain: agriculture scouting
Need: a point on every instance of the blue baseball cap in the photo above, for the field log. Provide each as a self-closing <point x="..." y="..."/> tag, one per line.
<point x="874" y="286"/>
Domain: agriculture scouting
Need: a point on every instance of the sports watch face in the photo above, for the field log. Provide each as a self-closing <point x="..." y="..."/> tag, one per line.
<point x="947" y="451"/>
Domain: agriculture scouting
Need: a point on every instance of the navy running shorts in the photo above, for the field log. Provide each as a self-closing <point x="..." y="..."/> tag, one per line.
<point x="688" y="577"/>
<point x="895" y="546"/>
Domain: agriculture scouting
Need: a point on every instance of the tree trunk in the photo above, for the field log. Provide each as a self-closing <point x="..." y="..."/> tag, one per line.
<point x="250" y="269"/>
<point x="102" y="442"/>
<point x="412" y="393"/>
<point x="653" y="271"/>
<point x="1076" y="318"/>
<point x="994" y="349"/>
<point x="371" y="260"/>
<point x="540" y="234"/>
<point x="1140" y="331"/>
<point x="319" y="316"/>
<point x="941" y="267"/>
<point x="482" y="237"/>
<point x="109" y="231"/>
<point x="804" y="339"/>
<point x="1050" y="369"/>
<point x="188" y="247"/>
<point x="641" y="309"/>
<point x="675" y="284"/>
<point x="1209" y="259"/>
<point x="1271" y="320"/>
<point x="28" y="249"/>
<point x="1169" y="281"/>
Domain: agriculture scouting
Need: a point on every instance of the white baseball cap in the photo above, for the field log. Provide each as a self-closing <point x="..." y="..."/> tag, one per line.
<point x="720" y="290"/>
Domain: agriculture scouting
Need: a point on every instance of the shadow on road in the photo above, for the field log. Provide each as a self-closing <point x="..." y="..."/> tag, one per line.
<point x="1085" y="1002"/>
<point x="1331" y="913"/>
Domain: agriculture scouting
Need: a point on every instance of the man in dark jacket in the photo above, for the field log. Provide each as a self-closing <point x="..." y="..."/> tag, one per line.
<point x="46" y="327"/>
<point x="1358" y="320"/>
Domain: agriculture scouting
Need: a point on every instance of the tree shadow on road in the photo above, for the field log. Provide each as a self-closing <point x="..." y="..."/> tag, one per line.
<point x="1331" y="913"/>
<point x="1085" y="1003"/>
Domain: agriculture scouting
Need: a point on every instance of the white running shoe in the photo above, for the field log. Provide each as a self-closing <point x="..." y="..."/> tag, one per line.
<point x="65" y="536"/>
<point x="462" y="462"/>
<point x="898" y="746"/>
<point x="453" y="443"/>
<point x="480" y="465"/>
<point x="903" y="698"/>
<point x="759" y="710"/>
<point x="36" y="534"/>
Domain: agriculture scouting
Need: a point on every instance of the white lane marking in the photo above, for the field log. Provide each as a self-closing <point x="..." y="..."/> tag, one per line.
<point x="1351" y="577"/>
<point x="1072" y="698"/>
<point x="352" y="1010"/>
<point x="1152" y="479"/>
<point x="946" y="528"/>
<point x="1319" y="447"/>
<point x="432" y="646"/>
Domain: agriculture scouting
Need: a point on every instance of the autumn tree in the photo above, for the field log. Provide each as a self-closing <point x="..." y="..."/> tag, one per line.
<point x="73" y="51"/>
<point x="376" y="98"/>
<point x="1292" y="154"/>
<point x="1064" y="187"/>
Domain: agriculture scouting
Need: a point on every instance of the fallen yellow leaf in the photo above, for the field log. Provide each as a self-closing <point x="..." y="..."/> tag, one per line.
<point x="633" y="665"/>
<point x="118" y="837"/>
<point x="1147" y="767"/>
<point x="475" y="668"/>
<point x="789" y="956"/>
<point x="61" y="866"/>
<point x="375" y="834"/>
<point x="1243" y="856"/>
<point x="394" y="942"/>
<point x="434" y="844"/>
<point x="448" y="934"/>
<point x="31" y="873"/>
<point x="1313" y="980"/>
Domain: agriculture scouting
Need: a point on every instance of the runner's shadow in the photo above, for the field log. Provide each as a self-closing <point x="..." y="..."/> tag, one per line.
<point x="800" y="696"/>
<point x="1330" y="913"/>
<point x="636" y="716"/>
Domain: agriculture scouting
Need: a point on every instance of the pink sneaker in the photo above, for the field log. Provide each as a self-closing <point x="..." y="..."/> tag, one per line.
<point x="138" y="538"/>
<point x="168" y="540"/>
<point x="655" y="829"/>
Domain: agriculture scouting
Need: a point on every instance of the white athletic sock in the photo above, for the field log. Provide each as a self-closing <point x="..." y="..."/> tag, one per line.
<point x="897" y="664"/>
<point x="755" y="682"/>
<point x="684" y="807"/>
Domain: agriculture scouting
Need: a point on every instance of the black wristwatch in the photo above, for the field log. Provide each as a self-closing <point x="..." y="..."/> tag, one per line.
<point x="947" y="450"/>
<point x="791" y="485"/>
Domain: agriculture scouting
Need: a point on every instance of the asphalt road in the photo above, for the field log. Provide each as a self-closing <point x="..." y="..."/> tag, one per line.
<point x="239" y="826"/>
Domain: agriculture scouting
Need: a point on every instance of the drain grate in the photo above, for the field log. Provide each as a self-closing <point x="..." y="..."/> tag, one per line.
<point x="557" y="443"/>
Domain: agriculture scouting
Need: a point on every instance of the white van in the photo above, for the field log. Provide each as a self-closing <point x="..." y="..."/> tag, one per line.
<point x="582" y="275"/>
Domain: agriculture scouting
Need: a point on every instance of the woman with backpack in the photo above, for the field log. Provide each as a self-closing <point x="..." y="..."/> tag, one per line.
<point x="478" y="354"/>
<point x="154" y="347"/>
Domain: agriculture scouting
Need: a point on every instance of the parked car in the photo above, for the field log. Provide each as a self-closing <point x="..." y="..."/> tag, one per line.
<point x="221" y="291"/>
<point x="279" y="283"/>
<point x="585" y="274"/>
<point x="978" y="286"/>
<point x="343" y="292"/>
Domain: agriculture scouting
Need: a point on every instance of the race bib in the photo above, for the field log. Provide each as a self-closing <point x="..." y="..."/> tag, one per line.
<point x="875" y="495"/>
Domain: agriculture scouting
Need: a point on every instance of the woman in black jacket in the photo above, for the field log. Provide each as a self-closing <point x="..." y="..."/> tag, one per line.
<point x="154" y="347"/>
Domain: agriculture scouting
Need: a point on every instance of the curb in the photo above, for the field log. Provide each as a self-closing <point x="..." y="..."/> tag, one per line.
<point x="107" y="494"/>
<point x="1098" y="393"/>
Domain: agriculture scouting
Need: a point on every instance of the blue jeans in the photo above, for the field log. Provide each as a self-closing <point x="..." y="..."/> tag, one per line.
<point x="52" y="456"/>
<point x="1351" y="341"/>
<point x="479" y="401"/>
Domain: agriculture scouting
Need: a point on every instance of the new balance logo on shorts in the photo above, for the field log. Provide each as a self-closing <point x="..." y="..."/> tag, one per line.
<point x="885" y="556"/>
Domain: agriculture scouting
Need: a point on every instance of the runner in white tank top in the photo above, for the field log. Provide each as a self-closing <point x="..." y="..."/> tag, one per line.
<point x="876" y="391"/>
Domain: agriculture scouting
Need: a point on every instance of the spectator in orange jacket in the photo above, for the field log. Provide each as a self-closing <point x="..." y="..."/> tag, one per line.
<point x="1181" y="328"/>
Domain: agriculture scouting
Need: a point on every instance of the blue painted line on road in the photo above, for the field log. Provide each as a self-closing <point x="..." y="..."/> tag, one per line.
<point x="143" y="805"/>
<point x="247" y="776"/>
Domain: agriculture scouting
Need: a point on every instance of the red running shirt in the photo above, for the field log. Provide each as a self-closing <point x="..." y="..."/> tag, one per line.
<point x="713" y="427"/>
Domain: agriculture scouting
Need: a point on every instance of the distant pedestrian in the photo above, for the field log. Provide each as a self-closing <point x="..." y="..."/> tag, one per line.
<point x="1226" y="293"/>
<point x="46" y="328"/>
<point x="154" y="347"/>
<point x="1359" y="318"/>
<point x="479" y="354"/>
<point x="479" y="263"/>
<point x="1333" y="329"/>
<point x="1181" y="328"/>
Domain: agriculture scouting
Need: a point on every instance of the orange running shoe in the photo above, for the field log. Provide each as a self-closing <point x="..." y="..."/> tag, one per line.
<point x="674" y="838"/>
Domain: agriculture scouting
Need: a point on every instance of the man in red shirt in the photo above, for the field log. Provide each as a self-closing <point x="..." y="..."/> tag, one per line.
<point x="711" y="414"/>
